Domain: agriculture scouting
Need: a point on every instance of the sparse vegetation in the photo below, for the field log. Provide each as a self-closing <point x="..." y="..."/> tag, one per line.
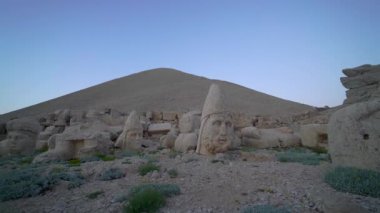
<point x="27" y="182"/>
<point x="148" y="167"/>
<point x="319" y="150"/>
<point x="217" y="161"/>
<point x="148" y="200"/>
<point x="149" y="197"/>
<point x="166" y="189"/>
<point x="94" y="195"/>
<point x="105" y="157"/>
<point x="111" y="174"/>
<point x="74" y="162"/>
<point x="248" y="149"/>
<point x="173" y="154"/>
<point x="173" y="173"/>
<point x="264" y="209"/>
<point x="356" y="181"/>
<point x="301" y="155"/>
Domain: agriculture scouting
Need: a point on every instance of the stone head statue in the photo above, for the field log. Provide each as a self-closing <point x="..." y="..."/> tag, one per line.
<point x="21" y="137"/>
<point x="216" y="133"/>
<point x="133" y="130"/>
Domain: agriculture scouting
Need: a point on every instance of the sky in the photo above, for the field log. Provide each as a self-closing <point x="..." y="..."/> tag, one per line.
<point x="292" y="49"/>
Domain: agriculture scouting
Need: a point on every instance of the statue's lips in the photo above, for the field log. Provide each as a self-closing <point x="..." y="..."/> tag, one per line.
<point x="222" y="140"/>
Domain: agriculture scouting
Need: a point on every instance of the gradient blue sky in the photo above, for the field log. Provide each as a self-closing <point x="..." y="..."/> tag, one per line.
<point x="292" y="49"/>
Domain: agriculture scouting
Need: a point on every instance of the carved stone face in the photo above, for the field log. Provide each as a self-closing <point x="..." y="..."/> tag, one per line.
<point x="217" y="135"/>
<point x="133" y="134"/>
<point x="20" y="142"/>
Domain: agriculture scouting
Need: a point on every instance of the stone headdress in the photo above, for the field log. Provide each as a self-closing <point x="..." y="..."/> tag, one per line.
<point x="133" y="122"/>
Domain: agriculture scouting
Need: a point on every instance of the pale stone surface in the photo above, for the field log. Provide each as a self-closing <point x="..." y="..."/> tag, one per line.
<point x="363" y="83"/>
<point x="186" y="142"/>
<point x="156" y="116"/>
<point x="268" y="138"/>
<point x="168" y="140"/>
<point x="159" y="128"/>
<point x="190" y="121"/>
<point x="169" y="116"/>
<point x="78" y="141"/>
<point x="133" y="130"/>
<point x="21" y="137"/>
<point x="354" y="136"/>
<point x="314" y="135"/>
<point x="42" y="139"/>
<point x="216" y="134"/>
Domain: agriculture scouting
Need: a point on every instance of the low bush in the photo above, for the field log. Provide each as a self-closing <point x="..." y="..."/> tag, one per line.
<point x="303" y="156"/>
<point x="74" y="162"/>
<point x="173" y="173"/>
<point x="27" y="182"/>
<point x="264" y="209"/>
<point x="105" y="157"/>
<point x="149" y="197"/>
<point x="356" y="181"/>
<point x="148" y="200"/>
<point x="111" y="174"/>
<point x="167" y="190"/>
<point x="94" y="195"/>
<point x="148" y="167"/>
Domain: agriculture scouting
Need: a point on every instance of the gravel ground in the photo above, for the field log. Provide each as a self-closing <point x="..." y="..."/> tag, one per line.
<point x="222" y="183"/>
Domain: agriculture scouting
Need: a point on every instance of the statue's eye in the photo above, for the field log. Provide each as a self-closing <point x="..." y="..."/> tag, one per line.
<point x="217" y="123"/>
<point x="228" y="124"/>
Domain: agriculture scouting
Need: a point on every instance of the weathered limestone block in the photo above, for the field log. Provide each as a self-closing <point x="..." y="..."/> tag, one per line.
<point x="169" y="116"/>
<point x="42" y="139"/>
<point x="241" y="120"/>
<point x="78" y="141"/>
<point x="159" y="128"/>
<point x="77" y="117"/>
<point x="186" y="142"/>
<point x="156" y="116"/>
<point x="21" y="137"/>
<point x="360" y="94"/>
<point x="352" y="72"/>
<point x="354" y="136"/>
<point x="133" y="130"/>
<point x="314" y="135"/>
<point x="62" y="117"/>
<point x="169" y="139"/>
<point x="190" y="121"/>
<point x="216" y="134"/>
<point x="268" y="138"/>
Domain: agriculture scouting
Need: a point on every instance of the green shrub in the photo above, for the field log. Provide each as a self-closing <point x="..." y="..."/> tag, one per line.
<point x="356" y="181"/>
<point x="173" y="173"/>
<point x="148" y="167"/>
<point x="318" y="149"/>
<point x="264" y="209"/>
<point x="301" y="155"/>
<point x="167" y="190"/>
<point x="128" y="153"/>
<point x="74" y="162"/>
<point x="95" y="194"/>
<point x="148" y="200"/>
<point x="248" y="149"/>
<point x="75" y="179"/>
<point x="27" y="182"/>
<point x="111" y="174"/>
<point x="105" y="157"/>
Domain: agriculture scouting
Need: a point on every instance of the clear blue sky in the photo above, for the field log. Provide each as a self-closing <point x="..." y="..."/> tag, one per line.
<point x="292" y="49"/>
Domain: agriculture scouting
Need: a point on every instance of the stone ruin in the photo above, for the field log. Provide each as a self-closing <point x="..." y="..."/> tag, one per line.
<point x="363" y="83"/>
<point x="354" y="130"/>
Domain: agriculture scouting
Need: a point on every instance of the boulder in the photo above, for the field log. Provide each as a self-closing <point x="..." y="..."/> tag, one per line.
<point x="314" y="135"/>
<point x="186" y="142"/>
<point x="168" y="140"/>
<point x="354" y="136"/>
<point x="190" y="121"/>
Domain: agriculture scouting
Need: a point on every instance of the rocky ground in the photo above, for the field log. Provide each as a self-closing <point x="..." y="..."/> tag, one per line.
<point x="223" y="183"/>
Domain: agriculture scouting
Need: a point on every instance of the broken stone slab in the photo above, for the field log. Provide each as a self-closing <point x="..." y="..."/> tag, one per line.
<point x="368" y="78"/>
<point x="159" y="128"/>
